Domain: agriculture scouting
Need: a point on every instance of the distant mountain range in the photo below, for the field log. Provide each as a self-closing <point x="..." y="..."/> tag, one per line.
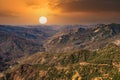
<point x="16" y="42"/>
<point x="87" y="38"/>
<point x="69" y="52"/>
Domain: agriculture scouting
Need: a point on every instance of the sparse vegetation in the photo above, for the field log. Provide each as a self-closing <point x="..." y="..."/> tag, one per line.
<point x="80" y="54"/>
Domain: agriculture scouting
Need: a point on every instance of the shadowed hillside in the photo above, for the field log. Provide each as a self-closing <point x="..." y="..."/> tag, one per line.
<point x="17" y="42"/>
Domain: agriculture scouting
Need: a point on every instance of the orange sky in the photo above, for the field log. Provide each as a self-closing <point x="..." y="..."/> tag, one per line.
<point x="59" y="11"/>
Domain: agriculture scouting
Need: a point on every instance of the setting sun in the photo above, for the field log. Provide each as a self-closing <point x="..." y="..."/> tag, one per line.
<point x="43" y="20"/>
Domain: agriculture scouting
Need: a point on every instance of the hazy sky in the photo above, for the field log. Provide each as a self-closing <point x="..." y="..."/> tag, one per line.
<point x="59" y="11"/>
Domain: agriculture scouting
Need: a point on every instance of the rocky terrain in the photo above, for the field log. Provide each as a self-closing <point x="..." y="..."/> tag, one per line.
<point x="60" y="53"/>
<point x="17" y="42"/>
<point x="78" y="65"/>
<point x="92" y="38"/>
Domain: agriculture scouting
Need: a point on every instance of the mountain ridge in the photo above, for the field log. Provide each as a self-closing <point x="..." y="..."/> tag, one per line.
<point x="82" y="38"/>
<point x="66" y="65"/>
<point x="67" y="53"/>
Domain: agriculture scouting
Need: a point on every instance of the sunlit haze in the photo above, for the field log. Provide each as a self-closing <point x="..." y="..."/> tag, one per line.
<point x="59" y="11"/>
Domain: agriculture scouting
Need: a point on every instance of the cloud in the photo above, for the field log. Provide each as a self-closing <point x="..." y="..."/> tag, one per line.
<point x="88" y="5"/>
<point x="7" y="13"/>
<point x="36" y="4"/>
<point x="76" y="5"/>
<point x="32" y="2"/>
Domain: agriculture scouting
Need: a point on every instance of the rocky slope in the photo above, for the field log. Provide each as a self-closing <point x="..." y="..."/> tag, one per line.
<point x="16" y="42"/>
<point x="86" y="38"/>
<point x="65" y="53"/>
<point x="77" y="65"/>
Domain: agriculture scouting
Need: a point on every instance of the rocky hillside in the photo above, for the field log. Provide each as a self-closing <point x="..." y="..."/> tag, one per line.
<point x="60" y="53"/>
<point x="16" y="42"/>
<point x="91" y="38"/>
<point x="78" y="65"/>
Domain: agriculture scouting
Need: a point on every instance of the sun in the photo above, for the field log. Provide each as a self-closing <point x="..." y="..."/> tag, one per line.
<point x="43" y="20"/>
